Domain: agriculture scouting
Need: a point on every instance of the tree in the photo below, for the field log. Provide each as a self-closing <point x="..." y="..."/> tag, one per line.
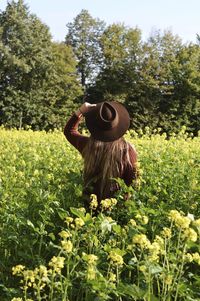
<point x="155" y="102"/>
<point x="28" y="75"/>
<point x="67" y="90"/>
<point x="121" y="48"/>
<point x="84" y="35"/>
<point x="25" y="61"/>
<point x="187" y="87"/>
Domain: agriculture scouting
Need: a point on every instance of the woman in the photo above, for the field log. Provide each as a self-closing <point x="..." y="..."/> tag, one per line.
<point x="106" y="154"/>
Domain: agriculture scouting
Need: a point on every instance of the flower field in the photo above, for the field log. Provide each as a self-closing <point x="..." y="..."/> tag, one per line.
<point x="146" y="248"/>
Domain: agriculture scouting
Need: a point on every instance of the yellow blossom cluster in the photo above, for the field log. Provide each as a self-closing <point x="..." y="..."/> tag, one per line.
<point x="132" y="222"/>
<point x="91" y="259"/>
<point x="167" y="279"/>
<point x="79" y="222"/>
<point x="154" y="249"/>
<point x="69" y="220"/>
<point x="142" y="241"/>
<point x="29" y="277"/>
<point x="65" y="234"/>
<point x="91" y="272"/>
<point x="180" y="221"/>
<point x="142" y="218"/>
<point x="143" y="268"/>
<point x="115" y="258"/>
<point x="57" y="263"/>
<point x="67" y="246"/>
<point x="197" y="222"/>
<point x="93" y="201"/>
<point x="190" y="257"/>
<point x="190" y="234"/>
<point x="112" y="277"/>
<point x="108" y="203"/>
<point x="18" y="269"/>
<point x="166" y="233"/>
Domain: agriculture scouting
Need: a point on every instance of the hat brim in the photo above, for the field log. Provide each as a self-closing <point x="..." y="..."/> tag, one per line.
<point x="111" y="134"/>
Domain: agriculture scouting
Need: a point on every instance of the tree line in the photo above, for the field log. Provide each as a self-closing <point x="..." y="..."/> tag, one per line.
<point x="42" y="82"/>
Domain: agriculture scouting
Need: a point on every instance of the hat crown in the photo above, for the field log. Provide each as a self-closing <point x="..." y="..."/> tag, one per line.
<point x="108" y="121"/>
<point x="107" y="112"/>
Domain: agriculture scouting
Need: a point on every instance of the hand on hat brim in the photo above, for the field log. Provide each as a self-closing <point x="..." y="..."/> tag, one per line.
<point x="86" y="107"/>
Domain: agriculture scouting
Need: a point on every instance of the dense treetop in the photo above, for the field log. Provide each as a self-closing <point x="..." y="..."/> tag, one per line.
<point x="41" y="82"/>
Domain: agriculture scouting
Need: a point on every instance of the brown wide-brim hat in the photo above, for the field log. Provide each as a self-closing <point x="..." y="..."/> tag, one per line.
<point x="108" y="121"/>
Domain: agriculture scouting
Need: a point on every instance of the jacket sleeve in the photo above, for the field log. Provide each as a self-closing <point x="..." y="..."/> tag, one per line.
<point x="131" y="171"/>
<point x="72" y="135"/>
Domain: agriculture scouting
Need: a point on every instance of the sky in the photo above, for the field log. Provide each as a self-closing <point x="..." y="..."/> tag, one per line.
<point x="182" y="17"/>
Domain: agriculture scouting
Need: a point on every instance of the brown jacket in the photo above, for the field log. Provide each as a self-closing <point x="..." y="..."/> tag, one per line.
<point x="79" y="142"/>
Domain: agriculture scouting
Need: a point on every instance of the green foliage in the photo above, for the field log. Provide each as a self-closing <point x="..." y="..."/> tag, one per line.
<point x="121" y="47"/>
<point x="33" y="89"/>
<point x="42" y="82"/>
<point x="84" y="35"/>
<point x="40" y="196"/>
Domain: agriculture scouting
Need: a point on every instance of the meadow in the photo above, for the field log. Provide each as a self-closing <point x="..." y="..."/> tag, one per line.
<point x="146" y="248"/>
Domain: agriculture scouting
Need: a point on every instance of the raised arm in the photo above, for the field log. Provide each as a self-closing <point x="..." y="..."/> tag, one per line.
<point x="71" y="128"/>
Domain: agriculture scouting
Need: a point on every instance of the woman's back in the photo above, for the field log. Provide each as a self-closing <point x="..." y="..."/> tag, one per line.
<point x="106" y="154"/>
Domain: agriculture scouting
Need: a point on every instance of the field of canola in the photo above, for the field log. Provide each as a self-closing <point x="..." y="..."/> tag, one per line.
<point x="147" y="248"/>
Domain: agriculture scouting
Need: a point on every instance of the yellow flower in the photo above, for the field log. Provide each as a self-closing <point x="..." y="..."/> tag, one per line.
<point x="143" y="268"/>
<point x="79" y="222"/>
<point x="166" y="233"/>
<point x="182" y="222"/>
<point x="18" y="269"/>
<point x="36" y="172"/>
<point x="29" y="275"/>
<point x="196" y="257"/>
<point x="67" y="246"/>
<point x="115" y="258"/>
<point x="168" y="279"/>
<point x="92" y="259"/>
<point x="82" y="209"/>
<point x="154" y="250"/>
<point x="69" y="220"/>
<point x="197" y="222"/>
<point x="112" y="277"/>
<point x="93" y="203"/>
<point x="91" y="273"/>
<point x="65" y="234"/>
<point x="44" y="272"/>
<point x="159" y="240"/>
<point x="142" y="241"/>
<point x="113" y="201"/>
<point x="132" y="222"/>
<point x="57" y="263"/>
<point x="190" y="234"/>
<point x="106" y="204"/>
<point x="142" y="218"/>
<point x="188" y="257"/>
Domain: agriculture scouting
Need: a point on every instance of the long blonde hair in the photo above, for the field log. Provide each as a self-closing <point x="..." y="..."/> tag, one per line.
<point x="104" y="161"/>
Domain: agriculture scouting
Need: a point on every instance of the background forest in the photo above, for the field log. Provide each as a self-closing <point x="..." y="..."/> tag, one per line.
<point x="42" y="82"/>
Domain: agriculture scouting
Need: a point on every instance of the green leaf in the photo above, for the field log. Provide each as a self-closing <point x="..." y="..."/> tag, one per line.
<point x="155" y="269"/>
<point x="131" y="290"/>
<point x="77" y="212"/>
